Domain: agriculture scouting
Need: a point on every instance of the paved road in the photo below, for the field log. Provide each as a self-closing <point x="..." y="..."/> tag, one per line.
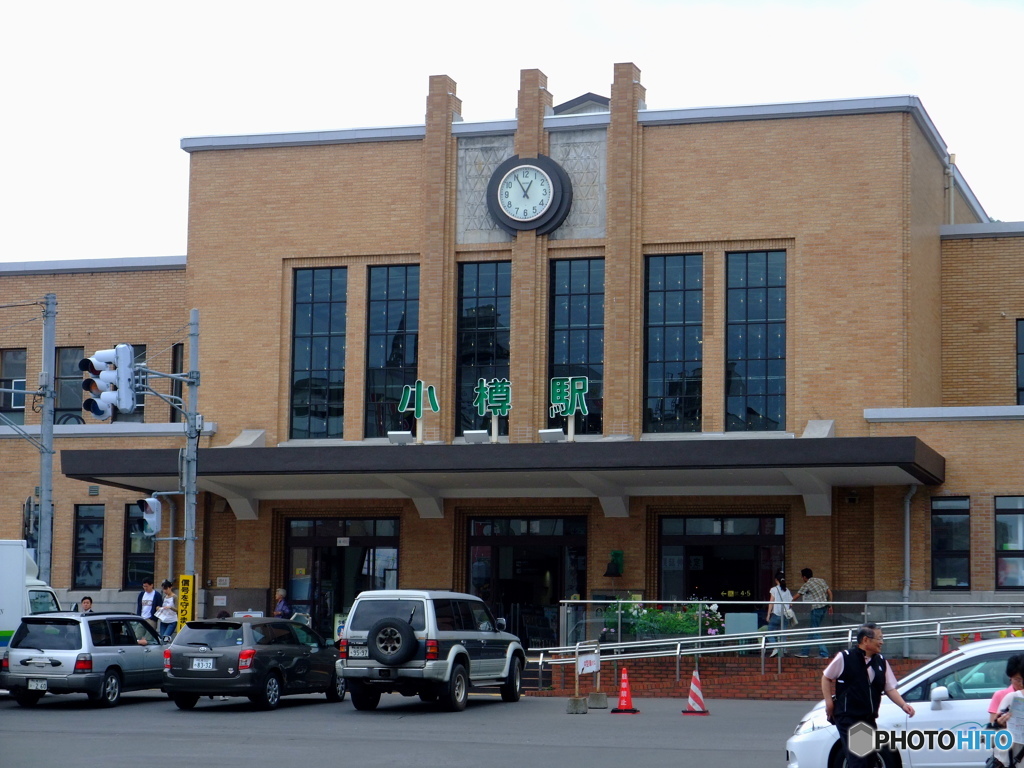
<point x="307" y="731"/>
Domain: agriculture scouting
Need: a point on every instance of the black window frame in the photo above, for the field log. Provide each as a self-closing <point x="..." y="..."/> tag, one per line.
<point x="319" y="350"/>
<point x="12" y="371"/>
<point x="949" y="506"/>
<point x="573" y="294"/>
<point x="134" y="525"/>
<point x="1005" y="507"/>
<point x="67" y="384"/>
<point x="1020" y="362"/>
<point x="756" y="341"/>
<point x="483" y="338"/>
<point x="673" y="343"/>
<point x="392" y="342"/>
<point x="83" y="555"/>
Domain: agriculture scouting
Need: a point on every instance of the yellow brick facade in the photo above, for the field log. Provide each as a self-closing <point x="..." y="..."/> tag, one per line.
<point x="882" y="313"/>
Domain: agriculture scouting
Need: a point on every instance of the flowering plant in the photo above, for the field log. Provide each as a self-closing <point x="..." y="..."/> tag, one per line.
<point x="652" y="619"/>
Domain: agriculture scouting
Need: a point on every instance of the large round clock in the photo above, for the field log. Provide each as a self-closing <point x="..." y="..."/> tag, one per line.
<point x="529" y="193"/>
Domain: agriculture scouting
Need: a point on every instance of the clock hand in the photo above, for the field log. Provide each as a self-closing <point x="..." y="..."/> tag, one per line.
<point x="526" y="192"/>
<point x="521" y="185"/>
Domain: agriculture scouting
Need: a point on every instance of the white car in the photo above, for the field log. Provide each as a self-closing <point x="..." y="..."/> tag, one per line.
<point x="950" y="693"/>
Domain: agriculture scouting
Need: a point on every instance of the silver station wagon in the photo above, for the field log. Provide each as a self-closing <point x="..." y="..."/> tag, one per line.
<point x="98" y="654"/>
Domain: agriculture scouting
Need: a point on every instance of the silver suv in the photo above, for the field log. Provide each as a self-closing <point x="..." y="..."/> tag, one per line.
<point x="99" y="654"/>
<point x="427" y="643"/>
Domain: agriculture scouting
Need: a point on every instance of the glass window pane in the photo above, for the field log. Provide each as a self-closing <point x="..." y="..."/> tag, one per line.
<point x="951" y="572"/>
<point x="673" y="526"/>
<point x="703" y="526"/>
<point x="950" y="532"/>
<point x="1010" y="572"/>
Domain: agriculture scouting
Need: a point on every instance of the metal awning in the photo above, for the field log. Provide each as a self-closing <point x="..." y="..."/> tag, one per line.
<point x="612" y="471"/>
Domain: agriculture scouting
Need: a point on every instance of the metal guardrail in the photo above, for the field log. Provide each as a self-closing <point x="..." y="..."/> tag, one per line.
<point x="836" y="635"/>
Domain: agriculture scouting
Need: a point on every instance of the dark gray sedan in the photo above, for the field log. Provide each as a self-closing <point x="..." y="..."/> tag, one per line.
<point x="261" y="658"/>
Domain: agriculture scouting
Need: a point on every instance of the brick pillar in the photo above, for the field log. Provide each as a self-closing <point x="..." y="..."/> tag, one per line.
<point x="529" y="354"/>
<point x="438" y="274"/>
<point x="624" y="263"/>
<point x="713" y="353"/>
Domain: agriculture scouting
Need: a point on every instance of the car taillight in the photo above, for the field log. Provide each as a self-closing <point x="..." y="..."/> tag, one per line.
<point x="5" y="663"/>
<point x="245" y="658"/>
<point x="83" y="663"/>
<point x="167" y="658"/>
<point x="343" y="649"/>
<point x="432" y="650"/>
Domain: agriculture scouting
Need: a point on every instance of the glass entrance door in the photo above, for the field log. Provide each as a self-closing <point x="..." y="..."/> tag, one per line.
<point x="523" y="567"/>
<point x="327" y="570"/>
<point x="720" y="558"/>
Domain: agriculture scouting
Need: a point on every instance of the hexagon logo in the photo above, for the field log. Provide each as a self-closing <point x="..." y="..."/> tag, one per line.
<point x="861" y="739"/>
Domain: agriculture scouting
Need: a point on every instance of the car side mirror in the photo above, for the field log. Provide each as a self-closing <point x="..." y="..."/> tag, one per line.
<point x="939" y="695"/>
<point x="500" y="624"/>
<point x="75" y="608"/>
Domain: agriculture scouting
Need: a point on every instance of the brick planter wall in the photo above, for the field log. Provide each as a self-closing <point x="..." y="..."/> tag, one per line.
<point x="721" y="677"/>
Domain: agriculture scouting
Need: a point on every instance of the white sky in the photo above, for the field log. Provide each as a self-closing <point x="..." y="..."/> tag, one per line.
<point x="98" y="95"/>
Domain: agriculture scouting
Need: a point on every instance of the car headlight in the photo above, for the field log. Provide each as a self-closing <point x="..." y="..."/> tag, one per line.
<point x="813" y="722"/>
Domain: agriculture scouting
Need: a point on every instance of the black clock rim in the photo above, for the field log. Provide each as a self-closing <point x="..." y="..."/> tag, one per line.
<point x="561" y="196"/>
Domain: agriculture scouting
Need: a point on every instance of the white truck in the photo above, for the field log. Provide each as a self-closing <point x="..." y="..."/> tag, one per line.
<point x="21" y="591"/>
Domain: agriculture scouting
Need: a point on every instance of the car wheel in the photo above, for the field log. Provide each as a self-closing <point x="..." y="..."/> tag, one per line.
<point x="513" y="687"/>
<point x="110" y="690"/>
<point x="270" y="695"/>
<point x="185" y="700"/>
<point x="364" y="698"/>
<point x="336" y="690"/>
<point x="27" y="698"/>
<point x="391" y="642"/>
<point x="457" y="691"/>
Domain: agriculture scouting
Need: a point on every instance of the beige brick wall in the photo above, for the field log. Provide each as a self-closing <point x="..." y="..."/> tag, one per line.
<point x="982" y="299"/>
<point x="880" y="314"/>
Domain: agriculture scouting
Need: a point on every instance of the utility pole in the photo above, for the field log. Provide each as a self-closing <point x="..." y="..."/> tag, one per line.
<point x="49" y="395"/>
<point x="193" y="428"/>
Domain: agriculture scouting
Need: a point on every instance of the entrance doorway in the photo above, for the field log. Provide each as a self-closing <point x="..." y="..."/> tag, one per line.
<point x="523" y="567"/>
<point x="329" y="562"/>
<point x="720" y="558"/>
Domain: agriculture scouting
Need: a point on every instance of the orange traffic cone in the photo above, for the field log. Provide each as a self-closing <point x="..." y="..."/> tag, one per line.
<point x="945" y="645"/>
<point x="625" y="698"/>
<point x="695" y="704"/>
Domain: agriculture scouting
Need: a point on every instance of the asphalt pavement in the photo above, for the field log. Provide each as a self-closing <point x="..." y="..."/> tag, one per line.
<point x="307" y="730"/>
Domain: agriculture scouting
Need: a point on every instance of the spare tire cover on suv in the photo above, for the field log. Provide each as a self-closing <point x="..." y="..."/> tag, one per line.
<point x="391" y="641"/>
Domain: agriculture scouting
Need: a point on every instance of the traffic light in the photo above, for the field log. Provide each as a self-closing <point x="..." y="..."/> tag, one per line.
<point x="151" y="514"/>
<point x="109" y="380"/>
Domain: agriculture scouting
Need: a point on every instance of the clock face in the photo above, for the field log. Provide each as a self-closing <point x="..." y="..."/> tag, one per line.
<point x="525" y="193"/>
<point x="529" y="193"/>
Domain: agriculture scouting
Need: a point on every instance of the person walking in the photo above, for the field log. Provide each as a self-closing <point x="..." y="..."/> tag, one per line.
<point x="148" y="602"/>
<point x="816" y="592"/>
<point x="853" y="684"/>
<point x="167" y="613"/>
<point x="282" y="608"/>
<point x="779" y="598"/>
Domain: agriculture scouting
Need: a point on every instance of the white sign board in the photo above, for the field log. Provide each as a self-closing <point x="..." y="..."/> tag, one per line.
<point x="588" y="663"/>
<point x="1015" y="725"/>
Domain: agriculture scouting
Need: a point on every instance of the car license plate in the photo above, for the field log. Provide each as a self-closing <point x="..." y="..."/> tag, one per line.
<point x="202" y="663"/>
<point x="358" y="652"/>
<point x="36" y="685"/>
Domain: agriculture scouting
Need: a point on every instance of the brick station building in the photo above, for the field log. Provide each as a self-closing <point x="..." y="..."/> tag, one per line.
<point x="796" y="329"/>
